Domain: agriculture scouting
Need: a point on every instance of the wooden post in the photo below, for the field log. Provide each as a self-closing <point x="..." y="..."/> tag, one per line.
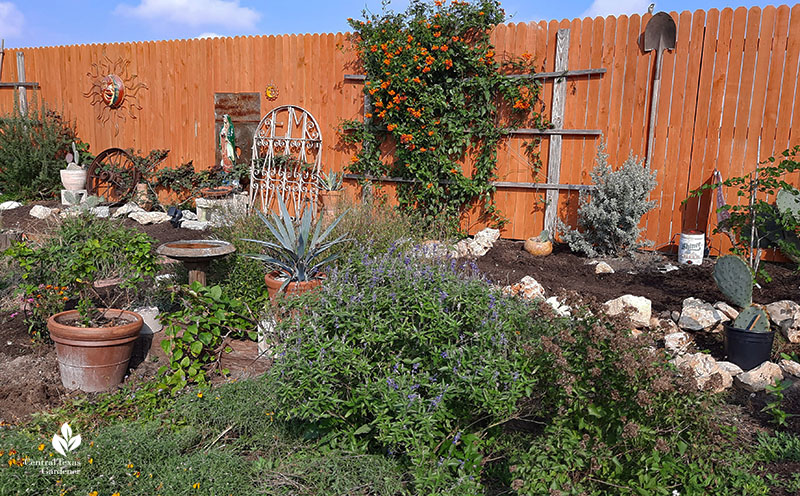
<point x="23" y="97"/>
<point x="2" y="56"/>
<point x="557" y="119"/>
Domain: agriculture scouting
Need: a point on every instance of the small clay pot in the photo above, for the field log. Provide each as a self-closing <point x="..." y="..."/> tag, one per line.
<point x="538" y="248"/>
<point x="274" y="283"/>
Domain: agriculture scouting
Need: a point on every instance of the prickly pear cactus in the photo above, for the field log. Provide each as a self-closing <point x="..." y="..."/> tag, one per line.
<point x="734" y="279"/>
<point x="747" y="315"/>
<point x="788" y="200"/>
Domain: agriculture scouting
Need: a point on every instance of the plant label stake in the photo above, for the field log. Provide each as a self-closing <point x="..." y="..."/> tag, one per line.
<point x="659" y="35"/>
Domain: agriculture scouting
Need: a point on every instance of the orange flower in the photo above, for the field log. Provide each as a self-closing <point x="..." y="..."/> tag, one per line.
<point x="378" y="103"/>
<point x="443" y="48"/>
<point x="417" y="80"/>
<point x="426" y="69"/>
<point x="430" y="133"/>
<point x="384" y="47"/>
<point x="453" y="170"/>
<point x="387" y="61"/>
<point x="429" y="60"/>
<point x="391" y="127"/>
<point x="527" y="56"/>
<point x="410" y="38"/>
<point x="406" y="138"/>
<point x="372" y="91"/>
<point x="373" y="48"/>
<point x="353" y="159"/>
<point x="368" y="116"/>
<point x="455" y="39"/>
<point x="429" y="186"/>
<point x="391" y="92"/>
<point x="382" y="114"/>
<point x="411" y="146"/>
<point x="423" y="149"/>
<point x="448" y="63"/>
<point x="435" y="47"/>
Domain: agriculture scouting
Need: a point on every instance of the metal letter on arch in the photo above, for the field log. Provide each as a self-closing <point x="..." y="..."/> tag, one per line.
<point x="287" y="148"/>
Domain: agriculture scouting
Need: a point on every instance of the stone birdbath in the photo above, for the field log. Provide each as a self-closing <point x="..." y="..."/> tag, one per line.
<point x="196" y="255"/>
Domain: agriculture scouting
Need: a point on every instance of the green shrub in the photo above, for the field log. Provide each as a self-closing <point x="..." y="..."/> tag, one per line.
<point x="34" y="147"/>
<point x="415" y="358"/>
<point x="82" y="250"/>
<point x="619" y="421"/>
<point x="609" y="216"/>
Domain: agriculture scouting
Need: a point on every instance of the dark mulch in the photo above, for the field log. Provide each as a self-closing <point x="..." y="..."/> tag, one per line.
<point x="507" y="262"/>
<point x="19" y="219"/>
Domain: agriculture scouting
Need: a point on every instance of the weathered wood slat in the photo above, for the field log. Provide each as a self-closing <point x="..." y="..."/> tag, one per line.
<point x="497" y="184"/>
<point x="557" y="118"/>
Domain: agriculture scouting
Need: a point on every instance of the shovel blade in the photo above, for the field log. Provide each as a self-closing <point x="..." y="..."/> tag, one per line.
<point x="660" y="33"/>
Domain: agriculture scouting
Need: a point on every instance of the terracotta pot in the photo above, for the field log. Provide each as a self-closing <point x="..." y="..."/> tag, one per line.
<point x="538" y="248"/>
<point x="329" y="200"/>
<point x="293" y="288"/>
<point x="73" y="180"/>
<point x="94" y="359"/>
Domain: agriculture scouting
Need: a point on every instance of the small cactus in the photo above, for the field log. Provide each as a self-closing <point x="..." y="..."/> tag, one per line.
<point x="752" y="318"/>
<point x="734" y="279"/>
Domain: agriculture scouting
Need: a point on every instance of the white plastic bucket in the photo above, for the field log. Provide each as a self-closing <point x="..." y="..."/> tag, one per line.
<point x="691" y="248"/>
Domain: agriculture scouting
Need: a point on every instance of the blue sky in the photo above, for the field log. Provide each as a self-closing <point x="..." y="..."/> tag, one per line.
<point x="65" y="22"/>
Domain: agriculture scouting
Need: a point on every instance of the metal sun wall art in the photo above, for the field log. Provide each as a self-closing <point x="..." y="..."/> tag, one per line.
<point x="114" y="91"/>
<point x="271" y="93"/>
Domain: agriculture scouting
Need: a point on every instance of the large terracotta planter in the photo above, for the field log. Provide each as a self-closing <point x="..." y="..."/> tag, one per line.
<point x="293" y="288"/>
<point x="73" y="180"/>
<point x="94" y="359"/>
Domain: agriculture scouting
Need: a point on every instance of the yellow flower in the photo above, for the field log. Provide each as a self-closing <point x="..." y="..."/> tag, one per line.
<point x="130" y="465"/>
<point x="196" y="485"/>
<point x="115" y="494"/>
<point x="41" y="447"/>
<point x="93" y="493"/>
<point x="199" y="395"/>
<point x="91" y="460"/>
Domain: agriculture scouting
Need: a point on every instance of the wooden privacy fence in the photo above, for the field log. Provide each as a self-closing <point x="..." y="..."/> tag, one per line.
<point x="728" y="99"/>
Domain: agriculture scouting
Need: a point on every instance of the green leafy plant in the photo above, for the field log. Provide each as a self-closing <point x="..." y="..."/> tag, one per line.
<point x="34" y="146"/>
<point x="83" y="250"/>
<point x="438" y="94"/>
<point x="199" y="332"/>
<point x="297" y="250"/>
<point x="759" y="224"/>
<point x="773" y="407"/>
<point x="609" y="216"/>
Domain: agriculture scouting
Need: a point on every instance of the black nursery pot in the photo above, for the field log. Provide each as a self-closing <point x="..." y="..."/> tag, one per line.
<point x="747" y="349"/>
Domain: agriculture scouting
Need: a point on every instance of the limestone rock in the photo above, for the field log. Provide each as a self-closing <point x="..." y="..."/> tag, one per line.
<point x="786" y="315"/>
<point x="603" y="268"/>
<point x="677" y="343"/>
<point x="150" y="317"/>
<point x="789" y="367"/>
<point x="127" y="209"/>
<point x="10" y="205"/>
<point x="731" y="367"/>
<point x="479" y="245"/>
<point x="706" y="372"/>
<point x="195" y="225"/>
<point x="149" y="217"/>
<point x="527" y="287"/>
<point x="101" y="212"/>
<point x="559" y="307"/>
<point x="697" y="315"/>
<point x="759" y="378"/>
<point x="727" y="311"/>
<point x="189" y="215"/>
<point x="41" y="212"/>
<point x="640" y="308"/>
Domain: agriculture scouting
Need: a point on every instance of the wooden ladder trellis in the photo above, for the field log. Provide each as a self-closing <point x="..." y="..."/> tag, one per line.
<point x="21" y="84"/>
<point x="552" y="186"/>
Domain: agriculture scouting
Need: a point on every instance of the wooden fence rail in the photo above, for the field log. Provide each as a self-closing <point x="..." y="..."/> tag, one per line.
<point x="728" y="99"/>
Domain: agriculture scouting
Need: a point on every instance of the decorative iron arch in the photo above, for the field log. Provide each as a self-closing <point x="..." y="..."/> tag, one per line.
<point x="287" y="152"/>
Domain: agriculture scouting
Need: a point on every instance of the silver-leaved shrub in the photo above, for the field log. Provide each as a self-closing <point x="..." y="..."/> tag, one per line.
<point x="609" y="216"/>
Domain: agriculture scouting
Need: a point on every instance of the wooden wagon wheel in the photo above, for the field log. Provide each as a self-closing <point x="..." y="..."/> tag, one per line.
<point x="113" y="175"/>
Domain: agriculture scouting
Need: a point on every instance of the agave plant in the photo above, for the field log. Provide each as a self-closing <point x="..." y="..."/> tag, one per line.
<point x="332" y="181"/>
<point x="298" y="250"/>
